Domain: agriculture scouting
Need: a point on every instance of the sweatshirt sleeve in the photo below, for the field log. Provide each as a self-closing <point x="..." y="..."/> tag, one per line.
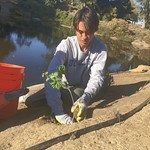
<point x="53" y="95"/>
<point x="97" y="74"/>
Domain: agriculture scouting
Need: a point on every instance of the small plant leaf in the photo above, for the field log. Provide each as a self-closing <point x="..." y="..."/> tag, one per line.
<point x="44" y="74"/>
<point x="58" y="85"/>
<point x="55" y="74"/>
<point x="53" y="82"/>
<point x="61" y="70"/>
<point x="47" y="79"/>
<point x="65" y="84"/>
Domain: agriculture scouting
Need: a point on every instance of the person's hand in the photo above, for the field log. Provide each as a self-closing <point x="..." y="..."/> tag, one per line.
<point x="79" y="108"/>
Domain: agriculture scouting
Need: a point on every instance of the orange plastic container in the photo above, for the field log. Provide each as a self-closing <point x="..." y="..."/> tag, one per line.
<point x="11" y="77"/>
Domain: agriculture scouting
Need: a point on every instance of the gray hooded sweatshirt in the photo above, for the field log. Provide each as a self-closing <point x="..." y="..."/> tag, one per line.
<point x="85" y="69"/>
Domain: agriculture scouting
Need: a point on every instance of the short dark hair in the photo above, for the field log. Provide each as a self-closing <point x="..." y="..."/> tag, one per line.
<point x="89" y="17"/>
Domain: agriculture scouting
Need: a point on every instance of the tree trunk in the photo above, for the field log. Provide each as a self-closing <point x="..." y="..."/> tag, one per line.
<point x="83" y="4"/>
<point x="144" y="22"/>
<point x="73" y="2"/>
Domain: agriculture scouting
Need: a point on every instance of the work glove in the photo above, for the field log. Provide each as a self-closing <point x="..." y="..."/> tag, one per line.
<point x="79" y="108"/>
<point x="64" y="119"/>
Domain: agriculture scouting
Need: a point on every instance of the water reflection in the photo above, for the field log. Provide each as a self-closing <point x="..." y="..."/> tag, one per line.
<point x="114" y="67"/>
<point x="33" y="46"/>
<point x="34" y="51"/>
<point x="32" y="56"/>
<point x="6" y="46"/>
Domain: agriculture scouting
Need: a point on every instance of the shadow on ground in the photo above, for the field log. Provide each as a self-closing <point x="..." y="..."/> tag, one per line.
<point x="23" y="116"/>
<point x="113" y="93"/>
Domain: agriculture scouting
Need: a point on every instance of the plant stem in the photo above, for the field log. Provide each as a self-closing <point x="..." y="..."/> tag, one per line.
<point x="71" y="95"/>
<point x="72" y="100"/>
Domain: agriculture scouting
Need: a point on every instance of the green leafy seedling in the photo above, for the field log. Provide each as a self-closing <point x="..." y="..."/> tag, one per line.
<point x="55" y="79"/>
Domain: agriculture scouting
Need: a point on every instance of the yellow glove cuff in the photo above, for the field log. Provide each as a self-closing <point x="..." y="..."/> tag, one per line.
<point x="78" y="105"/>
<point x="59" y="121"/>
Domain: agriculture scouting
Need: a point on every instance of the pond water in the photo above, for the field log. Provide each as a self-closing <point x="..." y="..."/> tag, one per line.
<point x="33" y="46"/>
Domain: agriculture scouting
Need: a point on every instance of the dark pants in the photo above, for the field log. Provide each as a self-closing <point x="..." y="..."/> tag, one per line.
<point x="38" y="99"/>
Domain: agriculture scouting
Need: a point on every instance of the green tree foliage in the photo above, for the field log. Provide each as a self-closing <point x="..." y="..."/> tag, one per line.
<point x="134" y="16"/>
<point x="33" y="9"/>
<point x="63" y="17"/>
<point x="59" y="10"/>
<point x="144" y="12"/>
<point x="123" y="8"/>
<point x="108" y="9"/>
<point x="101" y="6"/>
<point x="51" y="3"/>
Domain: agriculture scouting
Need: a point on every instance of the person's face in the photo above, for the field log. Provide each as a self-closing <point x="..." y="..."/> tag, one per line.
<point x="84" y="36"/>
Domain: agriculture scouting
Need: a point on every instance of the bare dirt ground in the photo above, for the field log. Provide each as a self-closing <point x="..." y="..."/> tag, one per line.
<point x="29" y="127"/>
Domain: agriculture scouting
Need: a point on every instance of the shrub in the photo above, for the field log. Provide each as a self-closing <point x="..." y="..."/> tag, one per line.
<point x="63" y="17"/>
<point x="118" y="26"/>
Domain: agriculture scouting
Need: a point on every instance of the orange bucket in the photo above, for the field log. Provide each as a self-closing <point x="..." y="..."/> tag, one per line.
<point x="11" y="77"/>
